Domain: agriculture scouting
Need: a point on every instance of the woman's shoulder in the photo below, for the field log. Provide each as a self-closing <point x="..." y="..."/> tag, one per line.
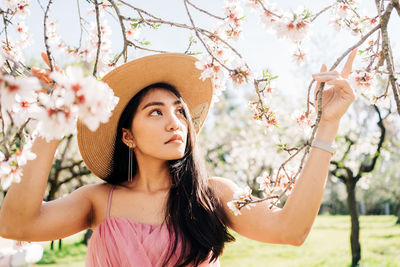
<point x="220" y="182"/>
<point x="92" y="190"/>
<point x="98" y="196"/>
<point x="96" y="193"/>
<point x="222" y="187"/>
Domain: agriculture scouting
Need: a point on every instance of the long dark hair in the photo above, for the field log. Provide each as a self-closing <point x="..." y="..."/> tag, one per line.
<point x="194" y="214"/>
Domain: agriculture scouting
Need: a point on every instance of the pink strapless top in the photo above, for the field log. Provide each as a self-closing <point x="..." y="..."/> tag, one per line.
<point x="119" y="241"/>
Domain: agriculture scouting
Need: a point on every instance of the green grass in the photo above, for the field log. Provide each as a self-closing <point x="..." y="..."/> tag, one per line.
<point x="327" y="245"/>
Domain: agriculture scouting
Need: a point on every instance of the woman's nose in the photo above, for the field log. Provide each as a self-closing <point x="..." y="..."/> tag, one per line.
<point x="173" y="123"/>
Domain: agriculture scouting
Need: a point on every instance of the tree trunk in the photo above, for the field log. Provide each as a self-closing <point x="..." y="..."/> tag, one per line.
<point x="87" y="236"/>
<point x="398" y="216"/>
<point x="355" y="226"/>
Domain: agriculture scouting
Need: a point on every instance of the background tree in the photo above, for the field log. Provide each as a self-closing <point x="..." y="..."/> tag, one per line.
<point x="350" y="174"/>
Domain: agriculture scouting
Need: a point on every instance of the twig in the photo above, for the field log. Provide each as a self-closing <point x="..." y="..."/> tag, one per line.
<point x="46" y="37"/>
<point x="19" y="131"/>
<point x="120" y="18"/>
<point x="360" y="42"/>
<point x="98" y="37"/>
<point x="386" y="72"/>
<point x="80" y="23"/>
<point x="201" y="39"/>
<point x="352" y="9"/>
<point x="320" y="12"/>
<point x="189" y="46"/>
<point x="375" y="55"/>
<point x="204" y="11"/>
<point x="208" y="34"/>
<point x="138" y="9"/>
<point x="69" y="138"/>
<point x="266" y="10"/>
<point x="146" y="49"/>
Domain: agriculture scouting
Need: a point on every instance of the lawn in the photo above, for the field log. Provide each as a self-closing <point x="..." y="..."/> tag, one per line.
<point x="327" y="245"/>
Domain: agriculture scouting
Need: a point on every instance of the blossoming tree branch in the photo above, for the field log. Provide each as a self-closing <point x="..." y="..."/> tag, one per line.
<point x="47" y="102"/>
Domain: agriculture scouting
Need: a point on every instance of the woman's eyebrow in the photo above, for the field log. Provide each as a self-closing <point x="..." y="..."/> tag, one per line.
<point x="177" y="102"/>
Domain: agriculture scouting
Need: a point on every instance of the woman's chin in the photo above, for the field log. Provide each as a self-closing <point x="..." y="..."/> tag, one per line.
<point x="175" y="156"/>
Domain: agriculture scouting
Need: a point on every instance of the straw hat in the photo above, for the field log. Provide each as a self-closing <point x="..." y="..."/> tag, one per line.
<point x="126" y="80"/>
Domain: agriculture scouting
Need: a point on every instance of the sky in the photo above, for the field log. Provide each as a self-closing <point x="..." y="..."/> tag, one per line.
<point x="261" y="49"/>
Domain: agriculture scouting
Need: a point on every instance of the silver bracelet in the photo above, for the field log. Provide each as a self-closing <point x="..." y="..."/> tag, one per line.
<point x="324" y="145"/>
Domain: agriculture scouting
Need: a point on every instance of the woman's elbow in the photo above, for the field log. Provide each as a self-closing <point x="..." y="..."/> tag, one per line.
<point x="298" y="239"/>
<point x="15" y="234"/>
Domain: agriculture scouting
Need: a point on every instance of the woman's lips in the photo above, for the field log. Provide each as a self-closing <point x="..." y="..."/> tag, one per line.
<point x="176" y="141"/>
<point x="176" y="138"/>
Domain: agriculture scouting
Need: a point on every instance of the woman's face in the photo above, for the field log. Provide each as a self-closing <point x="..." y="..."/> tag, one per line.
<point x="160" y="117"/>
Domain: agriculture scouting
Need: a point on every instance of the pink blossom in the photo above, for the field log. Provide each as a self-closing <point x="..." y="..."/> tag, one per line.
<point x="24" y="154"/>
<point x="93" y="99"/>
<point x="22" y="87"/>
<point x="265" y="181"/>
<point x="54" y="38"/>
<point x="299" y="56"/>
<point x="337" y="23"/>
<point x="132" y="33"/>
<point x="363" y="83"/>
<point x="234" y="207"/>
<point x="19" y="7"/>
<point x="342" y="10"/>
<point x="13" y="50"/>
<point x="211" y="69"/>
<point x="9" y="172"/>
<point x="22" y="110"/>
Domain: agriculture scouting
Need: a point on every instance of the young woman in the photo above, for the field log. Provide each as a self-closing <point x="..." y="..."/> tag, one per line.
<point x="157" y="206"/>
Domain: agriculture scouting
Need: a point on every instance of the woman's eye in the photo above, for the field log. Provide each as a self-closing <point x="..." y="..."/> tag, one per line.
<point x="182" y="111"/>
<point x="155" y="112"/>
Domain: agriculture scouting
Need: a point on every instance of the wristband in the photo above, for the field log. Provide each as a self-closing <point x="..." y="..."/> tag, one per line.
<point x="324" y="145"/>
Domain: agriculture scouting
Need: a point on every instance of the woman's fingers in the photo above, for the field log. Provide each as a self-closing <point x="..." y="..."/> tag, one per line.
<point x="349" y="64"/>
<point x="325" y="78"/>
<point x="343" y="84"/>
<point x="324" y="72"/>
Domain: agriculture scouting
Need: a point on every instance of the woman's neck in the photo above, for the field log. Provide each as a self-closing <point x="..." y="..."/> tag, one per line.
<point x="152" y="175"/>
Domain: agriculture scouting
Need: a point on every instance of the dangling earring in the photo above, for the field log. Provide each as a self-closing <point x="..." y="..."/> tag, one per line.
<point x="130" y="163"/>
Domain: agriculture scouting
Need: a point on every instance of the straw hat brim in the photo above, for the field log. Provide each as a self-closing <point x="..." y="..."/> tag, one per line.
<point x="126" y="81"/>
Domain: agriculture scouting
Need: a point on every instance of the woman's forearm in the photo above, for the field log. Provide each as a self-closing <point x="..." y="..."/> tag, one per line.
<point x="24" y="199"/>
<point x="302" y="205"/>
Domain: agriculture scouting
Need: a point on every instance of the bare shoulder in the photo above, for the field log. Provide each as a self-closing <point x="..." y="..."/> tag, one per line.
<point x="92" y="192"/>
<point x="222" y="187"/>
<point x="97" y="194"/>
<point x="216" y="181"/>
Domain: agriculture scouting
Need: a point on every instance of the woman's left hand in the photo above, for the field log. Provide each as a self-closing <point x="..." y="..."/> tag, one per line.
<point x="336" y="99"/>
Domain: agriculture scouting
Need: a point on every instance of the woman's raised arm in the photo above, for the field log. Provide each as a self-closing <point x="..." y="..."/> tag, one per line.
<point x="24" y="217"/>
<point x="292" y="223"/>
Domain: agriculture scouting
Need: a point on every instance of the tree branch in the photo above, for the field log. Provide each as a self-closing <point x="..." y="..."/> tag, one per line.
<point x="369" y="167"/>
<point x="46" y="37"/>
<point x="121" y="23"/>
<point x="96" y="5"/>
<point x="396" y="5"/>
<point x="360" y="42"/>
<point x="320" y="12"/>
<point x="387" y="53"/>
<point x="204" y="11"/>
